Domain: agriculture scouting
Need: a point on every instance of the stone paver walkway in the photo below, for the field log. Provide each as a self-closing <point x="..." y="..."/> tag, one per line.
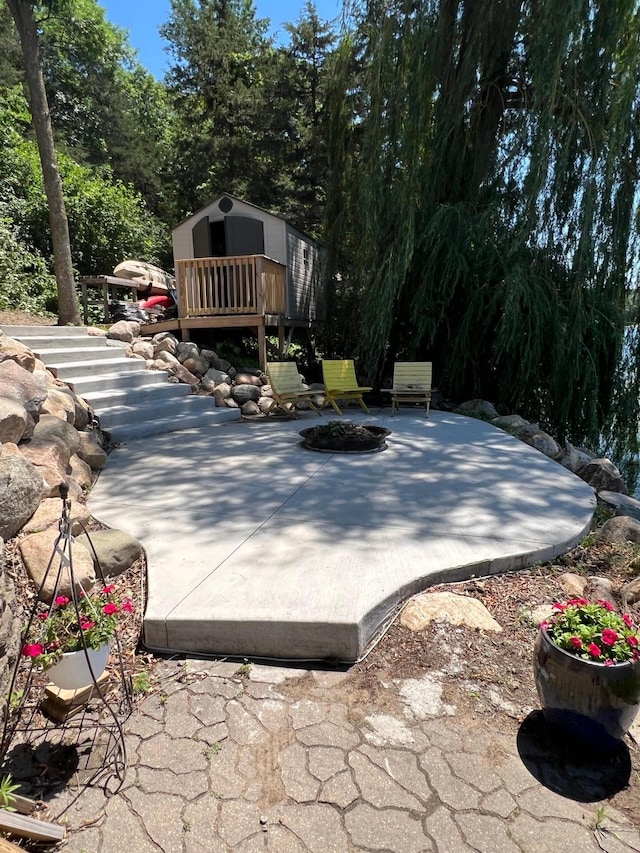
<point x="255" y="758"/>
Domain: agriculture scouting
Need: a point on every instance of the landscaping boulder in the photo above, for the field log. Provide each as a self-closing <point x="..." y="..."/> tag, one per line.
<point x="124" y="330"/>
<point x="80" y="471"/>
<point x="60" y="404"/>
<point x="116" y="551"/>
<point x="215" y="361"/>
<point x="478" y="409"/>
<point x="36" y="551"/>
<point x="20" y="385"/>
<point x="13" y="350"/>
<point x="91" y="452"/>
<point x="184" y="375"/>
<point x="185" y="350"/>
<point x="509" y="422"/>
<point x="620" y="529"/>
<point x="250" y="409"/>
<point x="241" y="394"/>
<point x="623" y="504"/>
<point x="165" y="344"/>
<point x="14" y="420"/>
<point x="543" y="442"/>
<point x="22" y="487"/>
<point x="49" y="513"/>
<point x="143" y="349"/>
<point x="448" y="607"/>
<point x="602" y="474"/>
<point x="247" y="379"/>
<point x="196" y="365"/>
<point x="49" y="426"/>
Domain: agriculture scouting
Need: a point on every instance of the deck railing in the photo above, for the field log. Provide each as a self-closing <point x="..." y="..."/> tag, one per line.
<point x="245" y="284"/>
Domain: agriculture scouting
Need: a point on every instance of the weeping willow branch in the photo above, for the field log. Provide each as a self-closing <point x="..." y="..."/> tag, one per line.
<point x="483" y="206"/>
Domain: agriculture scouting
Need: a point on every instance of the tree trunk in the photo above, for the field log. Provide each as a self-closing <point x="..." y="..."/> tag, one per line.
<point x="22" y="11"/>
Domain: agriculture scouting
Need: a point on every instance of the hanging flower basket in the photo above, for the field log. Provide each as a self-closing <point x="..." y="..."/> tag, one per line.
<point x="76" y="670"/>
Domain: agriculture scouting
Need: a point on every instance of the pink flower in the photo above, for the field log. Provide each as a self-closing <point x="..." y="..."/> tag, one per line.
<point x="576" y="642"/>
<point x="43" y="617"/>
<point x="127" y="607"/>
<point x="108" y="589"/>
<point x="609" y="637"/>
<point x="61" y="600"/>
<point x="109" y="609"/>
<point x="606" y="604"/>
<point x="577" y="602"/>
<point x="559" y="606"/>
<point x="87" y="626"/>
<point x="32" y="650"/>
<point x="632" y="639"/>
<point x="608" y="662"/>
<point x="594" y="651"/>
<point x="628" y="621"/>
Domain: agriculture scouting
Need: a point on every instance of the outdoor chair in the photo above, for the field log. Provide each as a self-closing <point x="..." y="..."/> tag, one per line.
<point x="287" y="387"/>
<point x="411" y="384"/>
<point x="340" y="383"/>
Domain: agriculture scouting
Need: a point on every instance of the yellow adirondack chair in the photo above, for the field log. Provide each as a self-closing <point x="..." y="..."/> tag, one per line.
<point x="340" y="383"/>
<point x="411" y="384"/>
<point x="286" y="384"/>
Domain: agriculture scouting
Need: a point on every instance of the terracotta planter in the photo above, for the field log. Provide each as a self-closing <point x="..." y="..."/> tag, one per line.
<point x="590" y="701"/>
<point x="73" y="671"/>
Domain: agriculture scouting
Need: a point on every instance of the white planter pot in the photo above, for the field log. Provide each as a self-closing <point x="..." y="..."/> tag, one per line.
<point x="73" y="671"/>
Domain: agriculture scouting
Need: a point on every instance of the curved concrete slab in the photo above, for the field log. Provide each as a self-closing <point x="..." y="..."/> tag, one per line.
<point x="258" y="547"/>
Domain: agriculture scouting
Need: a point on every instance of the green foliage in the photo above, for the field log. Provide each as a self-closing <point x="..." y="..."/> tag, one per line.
<point x="7" y="789"/>
<point x="482" y="210"/>
<point x="141" y="683"/>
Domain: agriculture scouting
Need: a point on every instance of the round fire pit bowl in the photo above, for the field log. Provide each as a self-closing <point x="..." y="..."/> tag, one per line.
<point x="345" y="437"/>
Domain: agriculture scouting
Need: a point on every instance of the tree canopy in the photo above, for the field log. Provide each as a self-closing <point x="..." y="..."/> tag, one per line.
<point x="483" y="202"/>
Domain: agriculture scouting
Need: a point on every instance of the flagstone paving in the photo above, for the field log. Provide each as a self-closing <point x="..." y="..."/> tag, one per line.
<point x="254" y="758"/>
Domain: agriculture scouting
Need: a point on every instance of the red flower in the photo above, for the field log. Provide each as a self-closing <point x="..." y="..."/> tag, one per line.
<point x="87" y="626"/>
<point x="108" y="589"/>
<point x="609" y="637"/>
<point x="632" y="639"/>
<point x="61" y="600"/>
<point x="109" y="609"/>
<point x="628" y="621"/>
<point x="594" y="651"/>
<point x="577" y="602"/>
<point x="559" y="606"/>
<point x="32" y="650"/>
<point x="576" y="642"/>
<point x="43" y="616"/>
<point x="606" y="604"/>
<point x="127" y="607"/>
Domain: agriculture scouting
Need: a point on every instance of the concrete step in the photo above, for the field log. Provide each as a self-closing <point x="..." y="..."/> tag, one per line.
<point x="192" y="414"/>
<point x="69" y="369"/>
<point x="38" y="343"/>
<point x="128" y="396"/>
<point x="19" y="332"/>
<point x="54" y="356"/>
<point x="116" y="381"/>
<point x="130" y="401"/>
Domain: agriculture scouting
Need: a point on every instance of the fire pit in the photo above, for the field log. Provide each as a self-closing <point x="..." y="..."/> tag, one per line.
<point x="345" y="437"/>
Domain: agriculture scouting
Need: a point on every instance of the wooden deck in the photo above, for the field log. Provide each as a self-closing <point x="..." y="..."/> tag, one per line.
<point x="246" y="291"/>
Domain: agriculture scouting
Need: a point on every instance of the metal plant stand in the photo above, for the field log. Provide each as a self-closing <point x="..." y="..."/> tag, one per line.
<point x="52" y="738"/>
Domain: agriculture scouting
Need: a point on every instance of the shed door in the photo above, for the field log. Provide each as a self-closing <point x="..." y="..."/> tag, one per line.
<point x="243" y="236"/>
<point x="201" y="238"/>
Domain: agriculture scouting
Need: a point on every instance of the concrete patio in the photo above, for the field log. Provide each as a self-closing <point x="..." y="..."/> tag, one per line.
<point x="257" y="547"/>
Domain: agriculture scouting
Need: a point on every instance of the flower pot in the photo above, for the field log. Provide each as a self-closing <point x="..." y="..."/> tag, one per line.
<point x="592" y="702"/>
<point x="73" y="671"/>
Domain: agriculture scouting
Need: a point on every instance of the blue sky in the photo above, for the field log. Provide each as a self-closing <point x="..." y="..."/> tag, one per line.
<point x="143" y="17"/>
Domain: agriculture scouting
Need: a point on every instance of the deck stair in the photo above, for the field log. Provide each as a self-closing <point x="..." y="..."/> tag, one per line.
<point x="131" y="401"/>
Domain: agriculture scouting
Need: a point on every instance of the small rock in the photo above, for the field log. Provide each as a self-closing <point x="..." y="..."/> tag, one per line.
<point x="574" y="585"/>
<point x="600" y="589"/>
<point x="250" y="409"/>
<point x="123" y="330"/>
<point x="630" y="592"/>
<point x="603" y="475"/>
